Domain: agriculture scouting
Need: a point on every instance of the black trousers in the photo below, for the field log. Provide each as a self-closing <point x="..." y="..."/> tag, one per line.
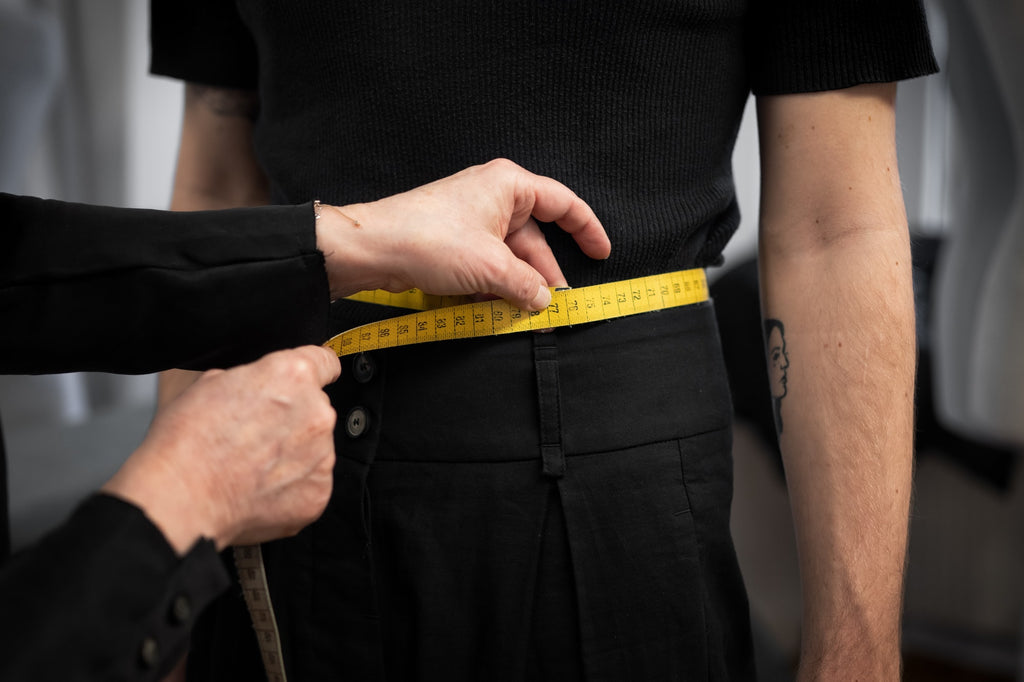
<point x="539" y="506"/>
<point x="5" y="524"/>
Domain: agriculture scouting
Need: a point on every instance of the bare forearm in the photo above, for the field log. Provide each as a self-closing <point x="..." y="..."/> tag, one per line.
<point x="836" y="275"/>
<point x="846" y="435"/>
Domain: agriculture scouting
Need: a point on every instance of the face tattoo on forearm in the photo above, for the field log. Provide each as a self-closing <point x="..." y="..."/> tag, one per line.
<point x="778" y="362"/>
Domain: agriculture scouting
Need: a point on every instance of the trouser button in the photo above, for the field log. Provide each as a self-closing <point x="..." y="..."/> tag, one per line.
<point x="356" y="422"/>
<point x="363" y="368"/>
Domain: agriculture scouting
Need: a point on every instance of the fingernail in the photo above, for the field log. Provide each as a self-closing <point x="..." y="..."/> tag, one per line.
<point x="543" y="297"/>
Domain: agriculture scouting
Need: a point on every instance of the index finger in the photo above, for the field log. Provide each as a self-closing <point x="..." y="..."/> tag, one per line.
<point x="326" y="365"/>
<point x="554" y="202"/>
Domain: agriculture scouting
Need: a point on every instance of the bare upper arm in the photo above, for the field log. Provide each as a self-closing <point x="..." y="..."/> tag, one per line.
<point x="828" y="166"/>
<point x="217" y="165"/>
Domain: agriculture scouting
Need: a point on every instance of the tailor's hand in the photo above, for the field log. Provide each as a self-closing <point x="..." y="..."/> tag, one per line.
<point x="472" y="232"/>
<point x="242" y="456"/>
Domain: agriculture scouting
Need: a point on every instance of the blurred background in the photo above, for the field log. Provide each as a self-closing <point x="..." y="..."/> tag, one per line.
<point x="81" y="120"/>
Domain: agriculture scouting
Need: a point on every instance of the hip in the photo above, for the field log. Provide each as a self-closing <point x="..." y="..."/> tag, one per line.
<point x="649" y="378"/>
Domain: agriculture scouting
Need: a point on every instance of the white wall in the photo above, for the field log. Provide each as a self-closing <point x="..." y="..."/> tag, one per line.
<point x="153" y="119"/>
<point x="109" y="136"/>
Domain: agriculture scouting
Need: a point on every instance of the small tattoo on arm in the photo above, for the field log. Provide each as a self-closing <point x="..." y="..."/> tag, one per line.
<point x="226" y="101"/>
<point x="778" y="362"/>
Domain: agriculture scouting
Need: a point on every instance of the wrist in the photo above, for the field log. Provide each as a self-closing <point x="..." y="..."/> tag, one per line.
<point x="851" y="647"/>
<point x="182" y="516"/>
<point x="840" y="668"/>
<point x="341" y="235"/>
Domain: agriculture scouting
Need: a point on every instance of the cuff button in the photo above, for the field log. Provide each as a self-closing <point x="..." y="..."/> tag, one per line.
<point x="181" y="610"/>
<point x="149" y="652"/>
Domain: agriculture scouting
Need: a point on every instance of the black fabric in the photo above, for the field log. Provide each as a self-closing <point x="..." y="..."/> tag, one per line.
<point x="465" y="561"/>
<point x="135" y="291"/>
<point x="635" y="105"/>
<point x="554" y="651"/>
<point x="836" y="44"/>
<point x="119" y="290"/>
<point x="82" y="602"/>
<point x="425" y="565"/>
<point x="5" y="518"/>
<point x="217" y="45"/>
<point x="549" y="407"/>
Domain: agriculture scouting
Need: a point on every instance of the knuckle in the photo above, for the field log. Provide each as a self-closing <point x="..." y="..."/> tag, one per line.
<point x="323" y="490"/>
<point x="322" y="500"/>
<point x="502" y="164"/>
<point x="316" y="502"/>
<point x="330" y="457"/>
<point x="498" y="268"/>
<point x="522" y="280"/>
<point x="298" y="367"/>
<point x="324" y="419"/>
<point x="292" y="529"/>
<point x="512" y="277"/>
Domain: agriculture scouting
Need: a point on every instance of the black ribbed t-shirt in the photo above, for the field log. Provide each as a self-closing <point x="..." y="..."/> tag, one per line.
<point x="635" y="105"/>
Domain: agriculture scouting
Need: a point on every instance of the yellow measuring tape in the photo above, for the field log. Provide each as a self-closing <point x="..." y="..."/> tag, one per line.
<point x="442" y="318"/>
<point x="488" y="318"/>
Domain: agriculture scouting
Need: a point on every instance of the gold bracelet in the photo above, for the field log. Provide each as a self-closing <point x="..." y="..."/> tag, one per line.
<point x="316" y="213"/>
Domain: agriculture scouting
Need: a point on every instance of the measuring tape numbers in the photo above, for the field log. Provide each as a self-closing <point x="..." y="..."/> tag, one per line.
<point x="443" y="318"/>
<point x="488" y="318"/>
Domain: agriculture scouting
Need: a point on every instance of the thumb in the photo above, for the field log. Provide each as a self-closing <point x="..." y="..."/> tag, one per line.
<point x="520" y="283"/>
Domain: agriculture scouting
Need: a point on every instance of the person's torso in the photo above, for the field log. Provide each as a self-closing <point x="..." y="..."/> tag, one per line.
<point x="633" y="105"/>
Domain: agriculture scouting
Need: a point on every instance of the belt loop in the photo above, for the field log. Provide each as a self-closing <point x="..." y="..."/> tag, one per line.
<point x="545" y="361"/>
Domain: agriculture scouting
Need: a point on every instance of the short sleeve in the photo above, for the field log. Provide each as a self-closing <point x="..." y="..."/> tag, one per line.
<point x="814" y="45"/>
<point x="202" y="41"/>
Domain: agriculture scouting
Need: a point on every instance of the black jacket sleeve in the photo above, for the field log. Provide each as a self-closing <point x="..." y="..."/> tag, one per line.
<point x="103" y="597"/>
<point x="134" y="291"/>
